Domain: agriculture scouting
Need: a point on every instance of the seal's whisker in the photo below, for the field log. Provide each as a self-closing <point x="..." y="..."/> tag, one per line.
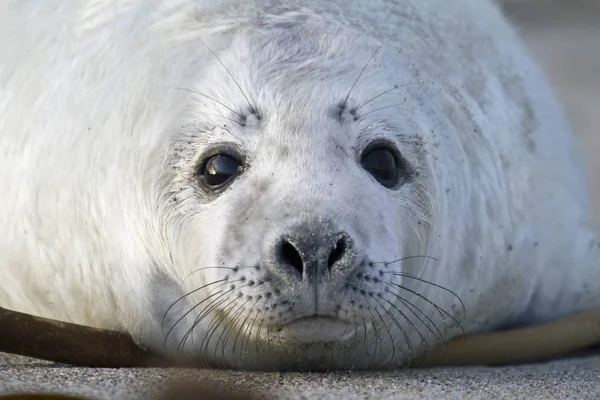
<point x="374" y="97"/>
<point x="246" y="339"/>
<point x="364" y="344"/>
<point x="214" y="305"/>
<point x="410" y="276"/>
<point x="262" y="321"/>
<point x="396" y="87"/>
<point x="227" y="118"/>
<point x="281" y="345"/>
<point x="404" y="259"/>
<point x="254" y="108"/>
<point x="234" y="269"/>
<point x="410" y="306"/>
<point x="215" y="323"/>
<point x="407" y="340"/>
<point x="230" y="317"/>
<point x="438" y="308"/>
<point x="242" y="328"/>
<point x="222" y="281"/>
<point x="375" y="110"/>
<point x="242" y="117"/>
<point x="342" y="335"/>
<point x="378" y="340"/>
<point x="440" y="338"/>
<point x="404" y="301"/>
<point x="445" y="336"/>
<point x="356" y="332"/>
<point x="345" y="329"/>
<point x="210" y="307"/>
<point x="395" y="307"/>
<point x="411" y="323"/>
<point x="355" y="338"/>
<point x="378" y="334"/>
<point x="345" y="102"/>
<point x="232" y="325"/>
<point x="247" y="329"/>
<point x="392" y="342"/>
<point x="247" y="332"/>
<point x="268" y="336"/>
<point x="194" y="324"/>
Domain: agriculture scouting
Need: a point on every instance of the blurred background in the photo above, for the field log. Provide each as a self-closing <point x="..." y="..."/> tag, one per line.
<point x="564" y="36"/>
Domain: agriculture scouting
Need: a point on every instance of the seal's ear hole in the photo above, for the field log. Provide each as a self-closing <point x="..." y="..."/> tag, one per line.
<point x="385" y="164"/>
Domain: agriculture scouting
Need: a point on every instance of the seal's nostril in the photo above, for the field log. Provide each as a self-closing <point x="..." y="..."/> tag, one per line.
<point x="288" y="254"/>
<point x="337" y="252"/>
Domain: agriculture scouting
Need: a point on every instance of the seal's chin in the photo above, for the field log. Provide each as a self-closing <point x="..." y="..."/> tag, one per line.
<point x="319" y="329"/>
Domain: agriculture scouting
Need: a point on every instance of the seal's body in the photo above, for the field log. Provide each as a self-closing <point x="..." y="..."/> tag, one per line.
<point x="265" y="185"/>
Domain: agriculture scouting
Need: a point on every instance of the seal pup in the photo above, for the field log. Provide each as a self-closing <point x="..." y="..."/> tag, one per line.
<point x="264" y="185"/>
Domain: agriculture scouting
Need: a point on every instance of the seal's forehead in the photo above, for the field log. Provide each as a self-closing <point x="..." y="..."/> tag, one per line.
<point x="302" y="84"/>
<point x="300" y="61"/>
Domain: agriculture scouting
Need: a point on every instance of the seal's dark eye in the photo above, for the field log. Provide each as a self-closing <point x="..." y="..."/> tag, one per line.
<point x="382" y="164"/>
<point x="218" y="170"/>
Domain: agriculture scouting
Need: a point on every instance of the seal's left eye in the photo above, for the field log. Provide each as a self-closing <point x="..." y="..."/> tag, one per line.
<point x="219" y="170"/>
<point x="381" y="163"/>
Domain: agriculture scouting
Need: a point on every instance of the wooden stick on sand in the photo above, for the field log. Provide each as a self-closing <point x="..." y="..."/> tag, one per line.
<point x="78" y="345"/>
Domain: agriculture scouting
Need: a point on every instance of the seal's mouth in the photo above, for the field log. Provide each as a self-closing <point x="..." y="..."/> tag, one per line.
<point x="319" y="328"/>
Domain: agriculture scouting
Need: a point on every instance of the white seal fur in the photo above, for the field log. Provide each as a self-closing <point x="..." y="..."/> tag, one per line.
<point x="108" y="108"/>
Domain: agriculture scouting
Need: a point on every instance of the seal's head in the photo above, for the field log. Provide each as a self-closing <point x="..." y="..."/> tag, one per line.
<point x="295" y="192"/>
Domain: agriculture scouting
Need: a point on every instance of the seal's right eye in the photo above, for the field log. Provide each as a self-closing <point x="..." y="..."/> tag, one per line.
<point x="218" y="170"/>
<point x="385" y="164"/>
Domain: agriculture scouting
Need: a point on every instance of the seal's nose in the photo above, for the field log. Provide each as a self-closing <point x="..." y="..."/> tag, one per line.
<point x="310" y="252"/>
